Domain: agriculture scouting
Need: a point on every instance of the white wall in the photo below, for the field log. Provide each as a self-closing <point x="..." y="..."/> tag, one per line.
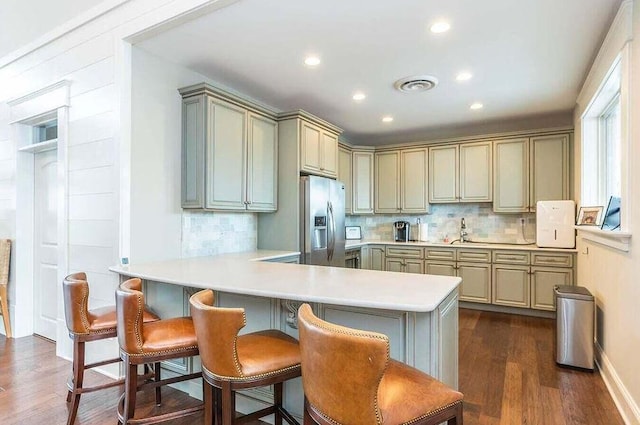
<point x="610" y="274"/>
<point x="156" y="216"/>
<point x="94" y="58"/>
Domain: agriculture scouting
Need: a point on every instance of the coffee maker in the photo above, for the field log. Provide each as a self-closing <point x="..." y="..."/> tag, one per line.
<point x="401" y="231"/>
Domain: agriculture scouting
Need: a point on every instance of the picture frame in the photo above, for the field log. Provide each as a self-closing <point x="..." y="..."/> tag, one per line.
<point x="353" y="232"/>
<point x="589" y="216"/>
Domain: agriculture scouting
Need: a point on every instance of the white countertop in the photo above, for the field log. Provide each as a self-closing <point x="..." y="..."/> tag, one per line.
<point x="472" y="245"/>
<point x="249" y="273"/>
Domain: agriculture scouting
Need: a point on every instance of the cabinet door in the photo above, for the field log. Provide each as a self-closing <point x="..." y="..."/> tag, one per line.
<point x="387" y="186"/>
<point x="475" y="172"/>
<point x="394" y="265"/>
<point x="329" y="154"/>
<point x="310" y="139"/>
<point x="443" y="174"/>
<point x="413" y="266"/>
<point x="511" y="285"/>
<point x="413" y="182"/>
<point x="362" y="183"/>
<point x="543" y="280"/>
<point x="376" y="258"/>
<point x="226" y="156"/>
<point x="549" y="169"/>
<point x="476" y="282"/>
<point x="511" y="175"/>
<point x="262" y="164"/>
<point x="345" y="176"/>
<point x="193" y="134"/>
<point x="441" y="268"/>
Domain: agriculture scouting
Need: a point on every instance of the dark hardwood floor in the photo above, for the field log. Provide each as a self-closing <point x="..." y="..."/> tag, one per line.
<point x="507" y="374"/>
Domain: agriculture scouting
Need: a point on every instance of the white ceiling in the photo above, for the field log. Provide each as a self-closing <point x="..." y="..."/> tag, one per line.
<point x="528" y="59"/>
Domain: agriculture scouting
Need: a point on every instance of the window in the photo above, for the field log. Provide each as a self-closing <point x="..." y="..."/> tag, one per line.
<point x="45" y="131"/>
<point x="610" y="129"/>
<point x="602" y="143"/>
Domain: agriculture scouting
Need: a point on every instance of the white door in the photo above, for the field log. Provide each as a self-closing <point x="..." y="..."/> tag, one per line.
<point x="45" y="244"/>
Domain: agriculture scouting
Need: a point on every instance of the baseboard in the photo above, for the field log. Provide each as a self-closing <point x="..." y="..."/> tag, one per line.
<point x="506" y="309"/>
<point x="627" y="407"/>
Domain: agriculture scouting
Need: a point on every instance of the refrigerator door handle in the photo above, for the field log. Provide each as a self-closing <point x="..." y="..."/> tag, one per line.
<point x="332" y="232"/>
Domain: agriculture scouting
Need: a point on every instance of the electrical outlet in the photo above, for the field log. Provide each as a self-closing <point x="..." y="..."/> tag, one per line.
<point x="521" y="220"/>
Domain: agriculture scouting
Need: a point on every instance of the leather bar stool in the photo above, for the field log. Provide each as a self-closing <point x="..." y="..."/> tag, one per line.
<point x="150" y="342"/>
<point x="232" y="362"/>
<point x="348" y="378"/>
<point x="86" y="325"/>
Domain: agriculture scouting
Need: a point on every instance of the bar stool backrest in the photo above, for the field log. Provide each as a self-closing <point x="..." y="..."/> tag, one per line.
<point x="217" y="331"/>
<point x="75" y="290"/>
<point x="341" y="369"/>
<point x="129" y="315"/>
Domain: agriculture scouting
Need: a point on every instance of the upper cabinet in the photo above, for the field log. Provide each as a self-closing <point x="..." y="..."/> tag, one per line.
<point x="362" y="182"/>
<point x="528" y="170"/>
<point x="460" y="173"/>
<point x="229" y="152"/>
<point x="401" y="181"/>
<point x="345" y="175"/>
<point x="319" y="150"/>
<point x="549" y="174"/>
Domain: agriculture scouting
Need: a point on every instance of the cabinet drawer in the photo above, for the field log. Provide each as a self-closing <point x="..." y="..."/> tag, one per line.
<point x="441" y="254"/>
<point x="510" y="257"/>
<point x="405" y="252"/>
<point x="551" y="260"/>
<point x="474" y="255"/>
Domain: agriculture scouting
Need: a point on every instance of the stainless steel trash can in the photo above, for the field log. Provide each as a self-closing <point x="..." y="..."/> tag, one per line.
<point x="574" y="326"/>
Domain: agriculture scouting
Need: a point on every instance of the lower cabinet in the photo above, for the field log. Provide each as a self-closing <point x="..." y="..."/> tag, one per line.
<point x="404" y="259"/>
<point x="373" y="257"/>
<point x="543" y="280"/>
<point x="511" y="285"/>
<point x="528" y="287"/>
<point x="511" y="278"/>
<point x="405" y="265"/>
<point x="476" y="282"/>
<point x="476" y="278"/>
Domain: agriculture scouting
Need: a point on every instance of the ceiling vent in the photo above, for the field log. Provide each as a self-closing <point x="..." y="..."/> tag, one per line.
<point x="416" y="83"/>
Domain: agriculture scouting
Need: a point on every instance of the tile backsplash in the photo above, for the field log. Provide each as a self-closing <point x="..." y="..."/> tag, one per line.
<point x="483" y="225"/>
<point x="211" y="233"/>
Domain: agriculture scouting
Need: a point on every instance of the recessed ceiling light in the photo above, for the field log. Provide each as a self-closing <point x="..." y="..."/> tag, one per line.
<point x="359" y="96"/>
<point x="312" y="61"/>
<point x="387" y="119"/>
<point x="476" y="105"/>
<point x="464" y="76"/>
<point x="439" y="27"/>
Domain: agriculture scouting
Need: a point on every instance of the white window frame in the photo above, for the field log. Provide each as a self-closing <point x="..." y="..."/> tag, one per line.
<point x="593" y="191"/>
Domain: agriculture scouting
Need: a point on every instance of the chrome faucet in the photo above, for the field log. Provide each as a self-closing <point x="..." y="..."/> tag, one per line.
<point x="463" y="231"/>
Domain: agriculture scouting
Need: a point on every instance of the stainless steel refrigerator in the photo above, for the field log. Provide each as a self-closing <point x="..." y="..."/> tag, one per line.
<point x="322" y="235"/>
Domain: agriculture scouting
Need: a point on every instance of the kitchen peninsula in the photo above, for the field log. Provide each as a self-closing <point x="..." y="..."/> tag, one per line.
<point x="419" y="313"/>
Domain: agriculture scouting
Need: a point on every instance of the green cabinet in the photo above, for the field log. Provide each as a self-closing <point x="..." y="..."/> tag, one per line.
<point x="229" y="153"/>
<point x="355" y="170"/>
<point x="528" y="170"/>
<point x="401" y="181"/>
<point x="345" y="175"/>
<point x="319" y="150"/>
<point x="460" y="173"/>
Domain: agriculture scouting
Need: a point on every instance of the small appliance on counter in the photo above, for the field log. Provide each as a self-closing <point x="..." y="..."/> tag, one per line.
<point x="401" y="231"/>
<point x="554" y="224"/>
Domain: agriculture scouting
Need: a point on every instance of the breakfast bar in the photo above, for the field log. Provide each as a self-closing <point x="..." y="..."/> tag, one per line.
<point x="419" y="313"/>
